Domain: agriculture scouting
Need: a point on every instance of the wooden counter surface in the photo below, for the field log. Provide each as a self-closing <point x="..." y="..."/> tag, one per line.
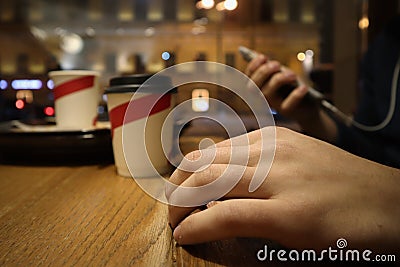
<point x="90" y="216"/>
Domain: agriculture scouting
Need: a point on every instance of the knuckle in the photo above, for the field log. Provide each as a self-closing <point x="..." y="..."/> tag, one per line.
<point x="194" y="155"/>
<point x="191" y="161"/>
<point x="176" y="177"/>
<point x="205" y="176"/>
<point x="281" y="132"/>
<point x="274" y="65"/>
<point x="265" y="70"/>
<point x="256" y="151"/>
<point x="286" y="148"/>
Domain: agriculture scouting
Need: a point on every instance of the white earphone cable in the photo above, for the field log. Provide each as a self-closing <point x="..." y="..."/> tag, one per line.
<point x="392" y="105"/>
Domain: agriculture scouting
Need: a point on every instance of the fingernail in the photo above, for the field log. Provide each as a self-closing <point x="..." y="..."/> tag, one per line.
<point x="177" y="234"/>
<point x="211" y="204"/>
<point x="303" y="89"/>
<point x="290" y="74"/>
<point x="263" y="57"/>
<point x="273" y="65"/>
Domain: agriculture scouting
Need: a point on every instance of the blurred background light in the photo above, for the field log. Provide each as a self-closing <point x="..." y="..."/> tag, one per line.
<point x="71" y="43"/>
<point x="309" y="53"/>
<point x="49" y="111"/>
<point x="200" y="100"/>
<point x="363" y="23"/>
<point x="230" y="4"/>
<point x="50" y="84"/>
<point x="91" y="32"/>
<point x="26" y="84"/>
<point x="25" y="95"/>
<point x="3" y="84"/>
<point x="207" y="4"/>
<point x="165" y="55"/>
<point x="220" y="6"/>
<point x="301" y="56"/>
<point x="150" y="31"/>
<point x="19" y="104"/>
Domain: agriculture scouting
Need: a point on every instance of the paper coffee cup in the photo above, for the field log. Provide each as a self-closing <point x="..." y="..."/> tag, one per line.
<point x="136" y="131"/>
<point x="76" y="97"/>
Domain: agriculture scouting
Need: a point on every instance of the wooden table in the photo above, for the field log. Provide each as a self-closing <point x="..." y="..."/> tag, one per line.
<point x="88" y="215"/>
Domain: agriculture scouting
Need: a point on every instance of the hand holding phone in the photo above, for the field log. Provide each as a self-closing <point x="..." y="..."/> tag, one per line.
<point x="312" y="95"/>
<point x="285" y="90"/>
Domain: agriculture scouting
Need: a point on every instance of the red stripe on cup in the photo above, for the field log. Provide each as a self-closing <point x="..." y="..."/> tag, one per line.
<point x="139" y="108"/>
<point x="73" y="86"/>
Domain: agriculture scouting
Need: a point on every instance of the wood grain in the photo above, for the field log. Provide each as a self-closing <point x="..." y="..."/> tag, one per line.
<point x="69" y="216"/>
<point x="89" y="216"/>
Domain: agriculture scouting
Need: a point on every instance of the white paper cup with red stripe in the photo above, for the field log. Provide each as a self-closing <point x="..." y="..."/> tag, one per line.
<point x="76" y="98"/>
<point x="141" y="117"/>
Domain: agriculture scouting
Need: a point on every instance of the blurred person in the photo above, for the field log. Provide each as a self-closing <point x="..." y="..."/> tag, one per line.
<point x="377" y="78"/>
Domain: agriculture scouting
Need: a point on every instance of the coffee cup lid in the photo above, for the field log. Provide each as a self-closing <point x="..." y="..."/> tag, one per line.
<point x="132" y="83"/>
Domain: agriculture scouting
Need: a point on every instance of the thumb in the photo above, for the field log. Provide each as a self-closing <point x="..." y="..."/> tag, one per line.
<point x="231" y="218"/>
